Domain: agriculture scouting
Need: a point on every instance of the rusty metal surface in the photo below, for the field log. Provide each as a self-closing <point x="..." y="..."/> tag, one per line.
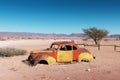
<point x="68" y="54"/>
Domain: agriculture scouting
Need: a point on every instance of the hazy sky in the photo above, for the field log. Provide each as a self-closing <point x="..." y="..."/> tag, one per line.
<point x="59" y="16"/>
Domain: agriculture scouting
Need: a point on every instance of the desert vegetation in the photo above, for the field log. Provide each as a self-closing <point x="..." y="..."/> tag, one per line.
<point x="96" y="34"/>
<point x="8" y="52"/>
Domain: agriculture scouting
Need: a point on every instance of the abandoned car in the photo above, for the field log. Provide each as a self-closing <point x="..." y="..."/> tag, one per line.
<point x="63" y="51"/>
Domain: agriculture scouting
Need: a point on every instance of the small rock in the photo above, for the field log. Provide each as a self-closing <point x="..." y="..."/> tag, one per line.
<point x="88" y="70"/>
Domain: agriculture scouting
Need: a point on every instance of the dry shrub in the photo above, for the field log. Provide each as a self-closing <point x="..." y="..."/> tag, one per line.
<point x="8" y="52"/>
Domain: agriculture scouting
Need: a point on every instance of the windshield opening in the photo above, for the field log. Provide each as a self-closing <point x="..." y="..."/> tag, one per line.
<point x="54" y="46"/>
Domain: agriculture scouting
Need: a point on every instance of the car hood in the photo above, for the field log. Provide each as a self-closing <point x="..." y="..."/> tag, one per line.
<point x="43" y="51"/>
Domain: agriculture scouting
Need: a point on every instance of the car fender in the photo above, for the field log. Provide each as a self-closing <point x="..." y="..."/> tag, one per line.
<point x="50" y="60"/>
<point x="85" y="55"/>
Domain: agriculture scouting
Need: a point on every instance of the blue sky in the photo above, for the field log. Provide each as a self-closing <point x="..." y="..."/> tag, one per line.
<point x="59" y="16"/>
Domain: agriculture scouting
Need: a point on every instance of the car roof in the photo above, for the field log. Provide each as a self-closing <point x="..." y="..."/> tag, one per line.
<point x="63" y="42"/>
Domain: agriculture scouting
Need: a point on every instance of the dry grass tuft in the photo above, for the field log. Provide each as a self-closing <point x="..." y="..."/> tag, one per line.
<point x="8" y="52"/>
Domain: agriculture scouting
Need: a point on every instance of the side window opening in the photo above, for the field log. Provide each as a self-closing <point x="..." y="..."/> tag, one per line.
<point x="74" y="48"/>
<point x="66" y="48"/>
<point x="62" y="48"/>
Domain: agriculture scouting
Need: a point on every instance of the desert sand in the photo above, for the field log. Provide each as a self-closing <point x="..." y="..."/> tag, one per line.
<point x="106" y="66"/>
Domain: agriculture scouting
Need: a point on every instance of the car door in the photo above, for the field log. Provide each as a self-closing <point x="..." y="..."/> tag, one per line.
<point x="65" y="54"/>
<point x="76" y="52"/>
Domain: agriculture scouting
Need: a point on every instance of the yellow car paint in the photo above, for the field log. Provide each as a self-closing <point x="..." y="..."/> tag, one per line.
<point x="85" y="55"/>
<point x="50" y="60"/>
<point x="64" y="56"/>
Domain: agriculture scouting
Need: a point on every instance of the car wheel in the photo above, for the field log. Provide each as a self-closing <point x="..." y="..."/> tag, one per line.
<point x="85" y="60"/>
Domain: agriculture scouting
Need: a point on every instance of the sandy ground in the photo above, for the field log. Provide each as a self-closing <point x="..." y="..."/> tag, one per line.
<point x="106" y="66"/>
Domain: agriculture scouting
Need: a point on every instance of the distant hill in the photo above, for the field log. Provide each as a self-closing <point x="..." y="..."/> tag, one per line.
<point x="28" y="35"/>
<point x="37" y="35"/>
<point x="115" y="36"/>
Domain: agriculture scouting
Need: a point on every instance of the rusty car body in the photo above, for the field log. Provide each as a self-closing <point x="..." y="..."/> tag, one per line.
<point x="62" y="51"/>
